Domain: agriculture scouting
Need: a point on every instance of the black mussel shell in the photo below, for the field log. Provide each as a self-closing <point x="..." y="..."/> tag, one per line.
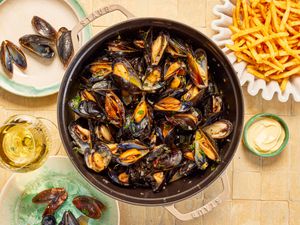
<point x="44" y="28"/>
<point x="64" y="46"/>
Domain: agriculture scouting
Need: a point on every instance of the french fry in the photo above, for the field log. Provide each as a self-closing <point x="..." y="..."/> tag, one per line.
<point x="289" y="73"/>
<point x="285" y="16"/>
<point x="283" y="84"/>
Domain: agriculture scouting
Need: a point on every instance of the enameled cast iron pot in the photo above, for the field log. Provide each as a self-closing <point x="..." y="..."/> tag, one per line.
<point x="219" y="67"/>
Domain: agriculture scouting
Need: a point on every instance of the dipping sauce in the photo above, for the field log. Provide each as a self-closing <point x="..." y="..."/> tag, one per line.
<point x="265" y="135"/>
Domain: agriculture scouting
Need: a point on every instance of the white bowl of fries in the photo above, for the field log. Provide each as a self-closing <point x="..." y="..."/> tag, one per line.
<point x="262" y="40"/>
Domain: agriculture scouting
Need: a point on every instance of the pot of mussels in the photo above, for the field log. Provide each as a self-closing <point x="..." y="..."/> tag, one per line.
<point x="150" y="111"/>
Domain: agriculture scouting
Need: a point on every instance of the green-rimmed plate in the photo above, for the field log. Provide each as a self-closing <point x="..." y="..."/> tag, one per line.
<point x="16" y="205"/>
<point x="41" y="78"/>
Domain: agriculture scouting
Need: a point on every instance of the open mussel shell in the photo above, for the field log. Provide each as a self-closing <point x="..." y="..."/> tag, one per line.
<point x="115" y="110"/>
<point x="174" y="68"/>
<point x="39" y="45"/>
<point x="193" y="94"/>
<point x="44" y="28"/>
<point x="55" y="197"/>
<point x="213" y="106"/>
<point x="187" y="168"/>
<point x="125" y="76"/>
<point x="219" y="129"/>
<point x="98" y="158"/>
<point x="80" y="134"/>
<point x="121" y="48"/>
<point x="86" y="108"/>
<point x="103" y="86"/>
<point x="119" y="175"/>
<point x="104" y="133"/>
<point x="64" y="46"/>
<point x="141" y="122"/>
<point x="172" y="105"/>
<point x="197" y="63"/>
<point x="138" y="64"/>
<point x="17" y="56"/>
<point x="131" y="156"/>
<point x="132" y="144"/>
<point x="168" y="160"/>
<point x="100" y="68"/>
<point x="6" y="59"/>
<point x="166" y="132"/>
<point x="157" y="180"/>
<point x="187" y="121"/>
<point x="91" y="207"/>
<point x="152" y="80"/>
<point x="139" y="43"/>
<point x="205" y="146"/>
<point x="176" y="48"/>
<point x="69" y="219"/>
<point x="158" y="48"/>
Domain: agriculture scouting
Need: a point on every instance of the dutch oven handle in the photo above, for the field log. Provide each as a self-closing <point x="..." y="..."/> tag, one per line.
<point x="203" y="209"/>
<point x="94" y="15"/>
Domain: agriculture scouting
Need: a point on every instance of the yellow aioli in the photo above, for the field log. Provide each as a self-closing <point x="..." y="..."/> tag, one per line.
<point x="265" y="135"/>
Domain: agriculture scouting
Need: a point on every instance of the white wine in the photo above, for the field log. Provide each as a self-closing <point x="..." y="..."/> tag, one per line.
<point x="24" y="145"/>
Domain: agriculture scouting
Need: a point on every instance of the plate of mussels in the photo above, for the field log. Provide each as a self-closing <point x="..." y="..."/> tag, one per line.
<point x="55" y="194"/>
<point x="36" y="46"/>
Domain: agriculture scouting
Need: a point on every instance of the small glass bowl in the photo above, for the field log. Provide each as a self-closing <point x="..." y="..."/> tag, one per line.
<point x="275" y="117"/>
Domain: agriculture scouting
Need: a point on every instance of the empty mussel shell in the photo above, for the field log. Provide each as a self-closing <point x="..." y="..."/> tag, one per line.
<point x="37" y="44"/>
<point x="44" y="28"/>
<point x="219" y="129"/>
<point x="64" y="46"/>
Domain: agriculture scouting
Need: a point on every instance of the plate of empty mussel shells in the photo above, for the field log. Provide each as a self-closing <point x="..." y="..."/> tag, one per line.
<point x="55" y="194"/>
<point x="36" y="44"/>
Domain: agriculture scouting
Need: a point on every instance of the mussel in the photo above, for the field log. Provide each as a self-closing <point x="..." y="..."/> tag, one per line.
<point x="187" y="168"/>
<point x="43" y="28"/>
<point x="141" y="121"/>
<point x="172" y="104"/>
<point x="152" y="80"/>
<point x="69" y="219"/>
<point x="176" y="48"/>
<point x="54" y="197"/>
<point x="174" y="68"/>
<point x="49" y="220"/>
<point x="81" y="135"/>
<point x="103" y="86"/>
<point x="10" y="54"/>
<point x="64" y="46"/>
<point x="39" y="45"/>
<point x="193" y="94"/>
<point x="98" y="158"/>
<point x="120" y="47"/>
<point x="219" y="129"/>
<point x="157" y="181"/>
<point x="86" y="108"/>
<point x="132" y="152"/>
<point x="114" y="109"/>
<point x="187" y="121"/>
<point x="103" y="132"/>
<point x="158" y="48"/>
<point x="6" y="59"/>
<point x="166" y="132"/>
<point x="101" y="68"/>
<point x="126" y="77"/>
<point x="168" y="160"/>
<point x="198" y="68"/>
<point x="89" y="206"/>
<point x="119" y="175"/>
<point x="204" y="146"/>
